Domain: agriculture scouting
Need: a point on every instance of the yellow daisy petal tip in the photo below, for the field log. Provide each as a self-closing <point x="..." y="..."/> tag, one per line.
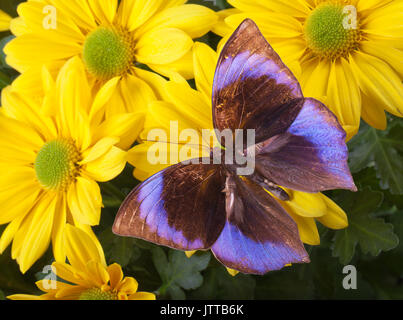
<point x="189" y="254"/>
<point x="232" y="272"/>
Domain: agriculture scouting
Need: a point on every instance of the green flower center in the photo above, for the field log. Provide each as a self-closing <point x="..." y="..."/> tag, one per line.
<point x="108" y="52"/>
<point x="97" y="294"/>
<point x="56" y="164"/>
<point x="330" y="33"/>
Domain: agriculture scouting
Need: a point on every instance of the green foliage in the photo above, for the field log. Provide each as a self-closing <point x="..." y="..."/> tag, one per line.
<point x="372" y="234"/>
<point x="179" y="272"/>
<point x="219" y="284"/>
<point x="382" y="150"/>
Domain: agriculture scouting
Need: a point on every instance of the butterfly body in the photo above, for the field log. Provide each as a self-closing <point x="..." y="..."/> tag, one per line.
<point x="205" y="204"/>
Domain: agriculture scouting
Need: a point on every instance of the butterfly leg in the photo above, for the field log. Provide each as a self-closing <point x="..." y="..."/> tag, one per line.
<point x="271" y="187"/>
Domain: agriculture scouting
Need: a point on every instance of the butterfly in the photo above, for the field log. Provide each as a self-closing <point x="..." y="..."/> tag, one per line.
<point x="299" y="145"/>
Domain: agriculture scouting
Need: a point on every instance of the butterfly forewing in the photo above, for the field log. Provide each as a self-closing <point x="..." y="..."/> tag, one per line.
<point x="182" y="207"/>
<point x="253" y="88"/>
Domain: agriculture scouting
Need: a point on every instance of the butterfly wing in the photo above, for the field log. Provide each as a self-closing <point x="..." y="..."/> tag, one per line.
<point x="182" y="207"/>
<point x="258" y="236"/>
<point x="311" y="156"/>
<point x="253" y="88"/>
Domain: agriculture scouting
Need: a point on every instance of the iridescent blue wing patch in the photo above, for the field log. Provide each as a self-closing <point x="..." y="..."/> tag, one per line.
<point x="182" y="207"/>
<point x="310" y="156"/>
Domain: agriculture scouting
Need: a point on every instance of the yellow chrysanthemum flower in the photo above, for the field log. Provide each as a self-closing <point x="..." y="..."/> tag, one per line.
<point x="87" y="276"/>
<point x="113" y="38"/>
<point x="347" y="53"/>
<point x="5" y="20"/>
<point x="193" y="109"/>
<point x="53" y="150"/>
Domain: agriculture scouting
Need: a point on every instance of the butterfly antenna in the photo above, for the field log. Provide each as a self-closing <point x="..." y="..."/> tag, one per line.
<point x="181" y="143"/>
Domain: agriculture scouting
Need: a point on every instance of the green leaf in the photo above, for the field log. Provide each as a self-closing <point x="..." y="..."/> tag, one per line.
<point x="219" y="284"/>
<point x="3" y="43"/>
<point x="2" y="296"/>
<point x="383" y="150"/>
<point x="179" y="272"/>
<point x="4" y="80"/>
<point x="372" y="234"/>
<point x="119" y="250"/>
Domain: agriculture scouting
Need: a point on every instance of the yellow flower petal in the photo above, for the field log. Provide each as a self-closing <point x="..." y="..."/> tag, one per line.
<point x="125" y="126"/>
<point x="335" y="218"/>
<point x="307" y="228"/>
<point x="58" y="230"/>
<point x="115" y="275"/>
<point x="392" y="56"/>
<point x="205" y="61"/>
<point x="133" y="13"/>
<point x="37" y="239"/>
<point x="155" y="81"/>
<point x="24" y="50"/>
<point x="24" y="297"/>
<point x="307" y="204"/>
<point x="97" y="273"/>
<point x="5" y="20"/>
<point x="101" y="99"/>
<point x="85" y="201"/>
<point x="142" y="296"/>
<point x="136" y="93"/>
<point x="379" y="82"/>
<point x="28" y="112"/>
<point x="183" y="66"/>
<point x="79" y="11"/>
<point x="128" y="286"/>
<point x="221" y="28"/>
<point x="343" y="94"/>
<point x="190" y="253"/>
<point x="107" y="167"/>
<point x="104" y="10"/>
<point x="32" y="13"/>
<point x="272" y="25"/>
<point x="161" y="46"/>
<point x="67" y="272"/>
<point x="99" y="149"/>
<point x="195" y="20"/>
<point x="232" y="272"/>
<point x="18" y="27"/>
<point x="295" y="8"/>
<point x="9" y="233"/>
<point x="18" y="200"/>
<point x="197" y="112"/>
<point x="314" y="78"/>
<point x="373" y="113"/>
<point x="80" y="248"/>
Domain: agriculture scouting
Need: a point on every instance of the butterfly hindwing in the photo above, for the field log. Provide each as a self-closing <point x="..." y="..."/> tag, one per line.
<point x="259" y="235"/>
<point x="253" y="88"/>
<point x="182" y="207"/>
<point x="311" y="156"/>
